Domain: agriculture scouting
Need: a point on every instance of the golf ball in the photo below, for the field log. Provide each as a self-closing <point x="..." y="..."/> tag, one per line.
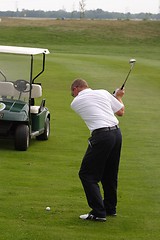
<point x="48" y="208"/>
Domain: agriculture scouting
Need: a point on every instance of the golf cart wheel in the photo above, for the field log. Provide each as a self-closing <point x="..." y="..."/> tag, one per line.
<point x="22" y="138"/>
<point x="46" y="133"/>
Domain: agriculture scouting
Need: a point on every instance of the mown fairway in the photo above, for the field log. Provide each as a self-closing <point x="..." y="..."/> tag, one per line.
<point x="46" y="175"/>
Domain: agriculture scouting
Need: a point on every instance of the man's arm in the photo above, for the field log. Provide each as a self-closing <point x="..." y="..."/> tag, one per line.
<point x="118" y="95"/>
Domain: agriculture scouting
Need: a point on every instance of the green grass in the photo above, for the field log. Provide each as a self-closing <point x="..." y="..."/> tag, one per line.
<point x="47" y="174"/>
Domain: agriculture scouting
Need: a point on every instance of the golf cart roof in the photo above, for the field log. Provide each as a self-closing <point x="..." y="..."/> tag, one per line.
<point x="23" y="50"/>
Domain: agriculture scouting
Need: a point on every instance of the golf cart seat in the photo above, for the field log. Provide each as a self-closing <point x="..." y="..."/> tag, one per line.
<point x="6" y="89"/>
<point x="36" y="92"/>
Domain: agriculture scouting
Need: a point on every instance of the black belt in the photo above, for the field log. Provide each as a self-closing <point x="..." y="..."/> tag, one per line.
<point x="105" y="129"/>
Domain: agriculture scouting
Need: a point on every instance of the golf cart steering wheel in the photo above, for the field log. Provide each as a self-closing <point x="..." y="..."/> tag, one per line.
<point x="22" y="85"/>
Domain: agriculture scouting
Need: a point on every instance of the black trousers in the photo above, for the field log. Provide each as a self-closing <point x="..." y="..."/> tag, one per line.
<point x="100" y="164"/>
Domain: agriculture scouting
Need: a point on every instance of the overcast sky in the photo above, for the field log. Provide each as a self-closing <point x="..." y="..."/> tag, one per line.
<point x="124" y="6"/>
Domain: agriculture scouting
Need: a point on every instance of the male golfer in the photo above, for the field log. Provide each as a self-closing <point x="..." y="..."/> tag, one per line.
<point x="101" y="161"/>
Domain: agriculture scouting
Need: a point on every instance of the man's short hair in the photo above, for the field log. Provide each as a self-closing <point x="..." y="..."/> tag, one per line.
<point x="81" y="83"/>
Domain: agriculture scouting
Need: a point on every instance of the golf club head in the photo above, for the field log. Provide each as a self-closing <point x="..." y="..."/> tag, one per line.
<point x="131" y="61"/>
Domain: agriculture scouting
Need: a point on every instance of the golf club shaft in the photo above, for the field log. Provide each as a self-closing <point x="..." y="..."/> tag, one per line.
<point x="127" y="77"/>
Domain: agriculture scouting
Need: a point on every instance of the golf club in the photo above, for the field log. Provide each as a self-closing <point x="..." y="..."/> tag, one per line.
<point x="132" y="62"/>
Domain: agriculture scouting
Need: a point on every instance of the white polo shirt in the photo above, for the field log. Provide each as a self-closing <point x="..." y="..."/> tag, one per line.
<point x="96" y="108"/>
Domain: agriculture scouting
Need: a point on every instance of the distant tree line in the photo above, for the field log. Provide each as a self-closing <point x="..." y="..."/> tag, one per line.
<point x="90" y="14"/>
